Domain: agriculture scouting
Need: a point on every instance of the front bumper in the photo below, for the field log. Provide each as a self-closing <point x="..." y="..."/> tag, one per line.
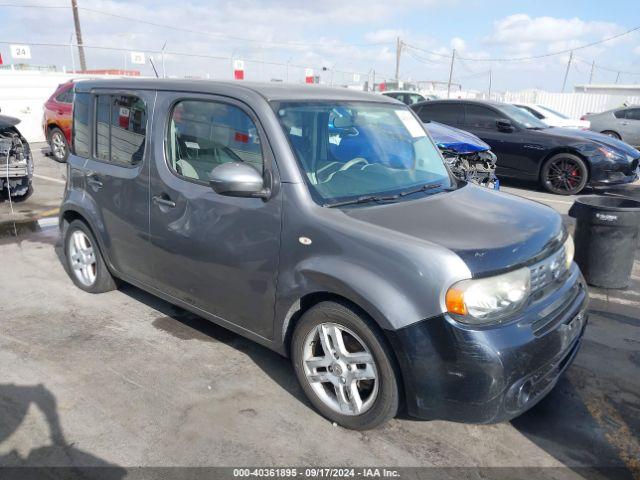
<point x="491" y="374"/>
<point x="609" y="173"/>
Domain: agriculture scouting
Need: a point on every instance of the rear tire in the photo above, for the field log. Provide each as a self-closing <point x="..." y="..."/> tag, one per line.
<point x="59" y="145"/>
<point x="85" y="264"/>
<point x="564" y="174"/>
<point x="355" y="383"/>
<point x="611" y="134"/>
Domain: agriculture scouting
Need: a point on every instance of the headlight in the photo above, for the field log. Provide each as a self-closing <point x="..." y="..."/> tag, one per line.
<point x="489" y="299"/>
<point x="569" y="250"/>
<point x="609" y="153"/>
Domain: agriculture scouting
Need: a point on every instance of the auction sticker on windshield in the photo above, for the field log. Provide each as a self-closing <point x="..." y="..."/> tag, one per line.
<point x="410" y="123"/>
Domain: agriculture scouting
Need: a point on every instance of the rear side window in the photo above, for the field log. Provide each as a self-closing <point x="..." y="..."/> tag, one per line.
<point x="205" y="134"/>
<point x="121" y="122"/>
<point x="81" y="131"/>
<point x="633" y="114"/>
<point x="447" y="113"/>
<point x="535" y="113"/>
<point x="66" y="96"/>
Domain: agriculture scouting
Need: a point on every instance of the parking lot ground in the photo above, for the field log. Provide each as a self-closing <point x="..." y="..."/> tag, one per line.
<point x="125" y="379"/>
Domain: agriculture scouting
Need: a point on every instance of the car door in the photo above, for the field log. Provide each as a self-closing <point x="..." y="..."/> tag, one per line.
<point x="517" y="153"/>
<point x="630" y="126"/>
<point x="217" y="253"/>
<point x="117" y="176"/>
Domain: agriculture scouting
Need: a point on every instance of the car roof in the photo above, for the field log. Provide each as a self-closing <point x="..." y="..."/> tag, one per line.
<point x="269" y="91"/>
<point x="400" y="91"/>
<point x="464" y="101"/>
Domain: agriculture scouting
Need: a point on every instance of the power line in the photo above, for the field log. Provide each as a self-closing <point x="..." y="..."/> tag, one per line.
<point x="193" y="31"/>
<point x="533" y="57"/>
<point x="607" y="69"/>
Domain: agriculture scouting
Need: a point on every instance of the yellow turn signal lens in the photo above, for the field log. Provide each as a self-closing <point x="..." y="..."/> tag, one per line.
<point x="455" y="301"/>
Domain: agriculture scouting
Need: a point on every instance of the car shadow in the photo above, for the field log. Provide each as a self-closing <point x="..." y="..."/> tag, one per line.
<point x="185" y="325"/>
<point x="589" y="421"/>
<point x="57" y="458"/>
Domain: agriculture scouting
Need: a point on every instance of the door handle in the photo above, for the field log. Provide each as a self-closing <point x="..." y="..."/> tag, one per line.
<point x="164" y="201"/>
<point x="94" y="180"/>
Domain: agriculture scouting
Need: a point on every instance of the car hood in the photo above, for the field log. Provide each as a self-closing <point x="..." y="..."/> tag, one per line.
<point x="613" y="143"/>
<point x="455" y="139"/>
<point x="491" y="231"/>
<point x="6" y="121"/>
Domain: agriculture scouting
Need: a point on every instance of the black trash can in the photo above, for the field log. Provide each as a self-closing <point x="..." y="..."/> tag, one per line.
<point x="606" y="238"/>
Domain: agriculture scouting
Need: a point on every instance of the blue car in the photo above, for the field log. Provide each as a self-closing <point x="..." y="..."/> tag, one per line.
<point x="469" y="158"/>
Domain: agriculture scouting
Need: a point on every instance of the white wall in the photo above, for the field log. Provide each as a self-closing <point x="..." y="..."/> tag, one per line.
<point x="572" y="104"/>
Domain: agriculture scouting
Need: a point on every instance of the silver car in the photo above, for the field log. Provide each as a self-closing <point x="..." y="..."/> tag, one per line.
<point x="620" y="123"/>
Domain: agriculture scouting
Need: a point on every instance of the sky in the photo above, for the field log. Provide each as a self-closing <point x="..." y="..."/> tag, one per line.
<point x="350" y="39"/>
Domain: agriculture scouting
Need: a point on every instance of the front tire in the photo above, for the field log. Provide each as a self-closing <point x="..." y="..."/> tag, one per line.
<point x="564" y="174"/>
<point x="59" y="145"/>
<point x="345" y="367"/>
<point x="85" y="264"/>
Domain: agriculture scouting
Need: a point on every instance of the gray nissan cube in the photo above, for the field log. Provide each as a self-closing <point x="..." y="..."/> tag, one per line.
<point x="324" y="224"/>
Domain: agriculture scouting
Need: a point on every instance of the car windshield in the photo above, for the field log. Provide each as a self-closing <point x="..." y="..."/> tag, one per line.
<point x="557" y="114"/>
<point x="524" y="118"/>
<point x="352" y="152"/>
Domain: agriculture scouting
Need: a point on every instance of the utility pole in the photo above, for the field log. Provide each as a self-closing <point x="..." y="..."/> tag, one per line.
<point x="398" y="53"/>
<point x="453" y="58"/>
<point x="566" y="73"/>
<point x="76" y="21"/>
<point x="489" y="84"/>
<point x="73" y="60"/>
<point x="617" y="77"/>
<point x="164" y="71"/>
<point x="593" y="66"/>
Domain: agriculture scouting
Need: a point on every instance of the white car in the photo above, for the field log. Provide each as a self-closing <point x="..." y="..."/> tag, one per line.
<point x="553" y="118"/>
<point x="408" y="97"/>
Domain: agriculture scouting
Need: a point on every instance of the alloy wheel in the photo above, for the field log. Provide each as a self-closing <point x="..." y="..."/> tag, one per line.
<point x="565" y="174"/>
<point x="82" y="257"/>
<point x="58" y="145"/>
<point x="340" y="369"/>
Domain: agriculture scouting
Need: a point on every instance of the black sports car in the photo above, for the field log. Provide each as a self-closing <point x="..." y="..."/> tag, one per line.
<point x="563" y="160"/>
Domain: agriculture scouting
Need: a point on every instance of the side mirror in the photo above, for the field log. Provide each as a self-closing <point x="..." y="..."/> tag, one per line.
<point x="237" y="179"/>
<point x="505" y="125"/>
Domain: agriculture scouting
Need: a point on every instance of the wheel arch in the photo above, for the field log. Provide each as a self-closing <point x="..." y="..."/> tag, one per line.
<point x="570" y="150"/>
<point x="308" y="301"/>
<point x="68" y="215"/>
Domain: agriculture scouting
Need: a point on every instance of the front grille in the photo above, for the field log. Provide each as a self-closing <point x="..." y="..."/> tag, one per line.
<point x="549" y="270"/>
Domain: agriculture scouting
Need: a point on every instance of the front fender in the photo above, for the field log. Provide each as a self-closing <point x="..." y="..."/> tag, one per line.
<point x="382" y="300"/>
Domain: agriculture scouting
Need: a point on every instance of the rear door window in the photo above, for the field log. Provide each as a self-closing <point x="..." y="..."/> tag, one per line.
<point x="480" y="117"/>
<point x="204" y="134"/>
<point x="447" y="113"/>
<point x="121" y="122"/>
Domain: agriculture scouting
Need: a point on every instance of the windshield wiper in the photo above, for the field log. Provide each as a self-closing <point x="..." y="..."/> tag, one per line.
<point x="420" y="188"/>
<point x="363" y="199"/>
